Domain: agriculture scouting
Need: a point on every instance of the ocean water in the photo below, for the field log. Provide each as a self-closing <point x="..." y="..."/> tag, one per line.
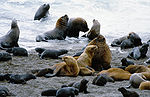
<point x="117" y="18"/>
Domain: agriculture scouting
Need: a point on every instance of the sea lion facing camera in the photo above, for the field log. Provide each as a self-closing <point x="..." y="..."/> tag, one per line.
<point x="57" y="33"/>
<point x="102" y="56"/>
<point x="11" y="38"/>
<point x="42" y="12"/>
<point x="95" y="30"/>
<point x="75" y="25"/>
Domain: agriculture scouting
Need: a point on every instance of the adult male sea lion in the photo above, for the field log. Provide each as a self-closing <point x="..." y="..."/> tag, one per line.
<point x="75" y="25"/>
<point x="42" y="12"/>
<point x="57" y="33"/>
<point x="11" y="38"/>
<point x="94" y="31"/>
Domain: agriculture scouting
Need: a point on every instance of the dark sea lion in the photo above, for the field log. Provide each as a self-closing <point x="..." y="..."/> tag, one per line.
<point x="81" y="86"/>
<point x="4" y="56"/>
<point x="59" y="32"/>
<point x="99" y="80"/>
<point x="4" y="92"/>
<point x="67" y="92"/>
<point x="52" y="53"/>
<point x="148" y="61"/>
<point x="108" y="78"/>
<point x="126" y="63"/>
<point x="2" y="77"/>
<point x="127" y="44"/>
<point x="11" y="38"/>
<point x="94" y="31"/>
<point x="127" y="93"/>
<point x="75" y="25"/>
<point x="117" y="42"/>
<point x="19" y="79"/>
<point x="49" y="92"/>
<point x="18" y="51"/>
<point x="42" y="12"/>
<point x="43" y="72"/>
<point x="102" y="57"/>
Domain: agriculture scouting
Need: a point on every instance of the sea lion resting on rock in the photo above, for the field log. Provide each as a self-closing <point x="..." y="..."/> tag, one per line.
<point x="94" y="31"/>
<point x="75" y="25"/>
<point x="57" y="33"/>
<point x="145" y="85"/>
<point x="85" y="60"/>
<point x="127" y="93"/>
<point x="139" y="52"/>
<point x="102" y="56"/>
<point x="136" y="79"/>
<point x="47" y="53"/>
<point x="42" y="12"/>
<point x="116" y="74"/>
<point x="18" y="51"/>
<point x="11" y="38"/>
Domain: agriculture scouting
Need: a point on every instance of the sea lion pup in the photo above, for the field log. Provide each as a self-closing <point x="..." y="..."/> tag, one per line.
<point x="95" y="30"/>
<point x="125" y="63"/>
<point x="42" y="12"/>
<point x="117" y="42"/>
<point x="49" y="92"/>
<point x="85" y="60"/>
<point x="108" y="78"/>
<point x="75" y="25"/>
<point x="99" y="80"/>
<point x="4" y="92"/>
<point x="102" y="56"/>
<point x="139" y="52"/>
<point x="47" y="53"/>
<point x="19" y="79"/>
<point x="127" y="93"/>
<point x="137" y="69"/>
<point x="81" y="86"/>
<point x="4" y="56"/>
<point x="145" y="85"/>
<point x="18" y="51"/>
<point x="116" y="73"/>
<point x="67" y="92"/>
<point x="67" y="68"/>
<point x="136" y="79"/>
<point x="57" y="33"/>
<point x="11" y="38"/>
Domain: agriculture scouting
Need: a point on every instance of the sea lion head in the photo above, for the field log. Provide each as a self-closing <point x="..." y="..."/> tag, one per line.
<point x="91" y="48"/>
<point x="46" y="6"/>
<point x="98" y="40"/>
<point x="62" y="22"/>
<point x="83" y="25"/>
<point x="69" y="60"/>
<point x="14" y="23"/>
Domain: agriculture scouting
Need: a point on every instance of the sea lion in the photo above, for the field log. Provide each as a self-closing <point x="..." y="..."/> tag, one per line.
<point x="137" y="69"/>
<point x="108" y="78"/>
<point x="145" y="85"/>
<point x="117" y="42"/>
<point x="127" y="93"/>
<point x="18" y="51"/>
<point x="42" y="12"/>
<point x="47" y="53"/>
<point x="19" y="79"/>
<point x="126" y="63"/>
<point x="2" y="77"/>
<point x="136" y="79"/>
<point x="67" y="92"/>
<point x="81" y="86"/>
<point x="67" y="68"/>
<point x="139" y="52"/>
<point x="116" y="73"/>
<point x="102" y="56"/>
<point x="49" y="92"/>
<point x="95" y="30"/>
<point x="11" y="38"/>
<point x="75" y="25"/>
<point x="57" y="33"/>
<point x="127" y="44"/>
<point x="4" y="92"/>
<point x="99" y="80"/>
<point x="85" y="60"/>
<point x="4" y="56"/>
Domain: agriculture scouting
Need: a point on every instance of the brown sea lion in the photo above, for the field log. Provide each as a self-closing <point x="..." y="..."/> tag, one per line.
<point x="102" y="56"/>
<point x="94" y="31"/>
<point x="42" y="12"/>
<point x="75" y="25"/>
<point x="57" y="33"/>
<point x="85" y="60"/>
<point x="145" y="85"/>
<point x="116" y="74"/>
<point x="137" y="69"/>
<point x="67" y="68"/>
<point x="11" y="38"/>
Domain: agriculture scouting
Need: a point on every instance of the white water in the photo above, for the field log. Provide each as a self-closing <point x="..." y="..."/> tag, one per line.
<point x="117" y="18"/>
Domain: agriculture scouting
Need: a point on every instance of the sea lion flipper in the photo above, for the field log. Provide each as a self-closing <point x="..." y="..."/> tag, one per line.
<point x="49" y="75"/>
